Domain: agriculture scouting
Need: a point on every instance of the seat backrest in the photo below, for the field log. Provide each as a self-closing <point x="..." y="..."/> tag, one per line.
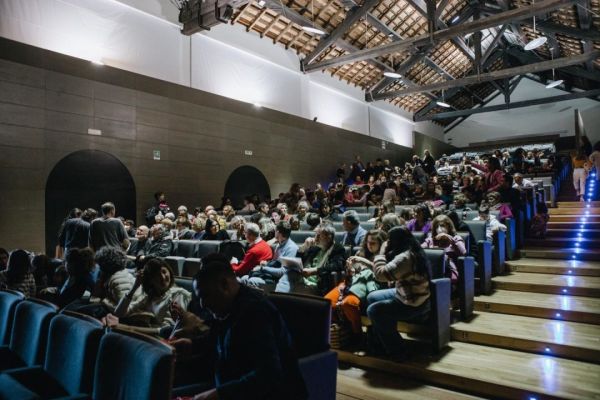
<point x="206" y="247"/>
<point x="30" y="330"/>
<point x="308" y="319"/>
<point x="8" y="303"/>
<point x="420" y="236"/>
<point x="466" y="237"/>
<point x="191" y="266"/>
<point x="300" y="236"/>
<point x="133" y="366"/>
<point x="187" y="248"/>
<point x="339" y="237"/>
<point x="368" y="225"/>
<point x="184" y="282"/>
<point x="469" y="215"/>
<point x="437" y="261"/>
<point x="72" y="349"/>
<point x="477" y="229"/>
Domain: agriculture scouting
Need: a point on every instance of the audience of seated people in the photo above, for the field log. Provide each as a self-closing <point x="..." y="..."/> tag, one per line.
<point x="110" y="287"/>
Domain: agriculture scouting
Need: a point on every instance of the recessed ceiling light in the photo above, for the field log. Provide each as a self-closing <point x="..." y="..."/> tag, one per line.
<point x="312" y="29"/>
<point x="553" y="84"/>
<point x="393" y="75"/>
<point x="262" y="3"/>
<point x="535" y="43"/>
<point x="443" y="104"/>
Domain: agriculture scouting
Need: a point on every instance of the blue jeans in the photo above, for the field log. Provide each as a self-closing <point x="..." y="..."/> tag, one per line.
<point x="385" y="310"/>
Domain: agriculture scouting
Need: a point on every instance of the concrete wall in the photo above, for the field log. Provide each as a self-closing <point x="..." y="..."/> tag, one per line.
<point x="48" y="101"/>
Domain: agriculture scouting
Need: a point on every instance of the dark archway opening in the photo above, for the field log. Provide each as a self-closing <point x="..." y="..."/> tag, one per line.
<point x="246" y="181"/>
<point x="83" y="179"/>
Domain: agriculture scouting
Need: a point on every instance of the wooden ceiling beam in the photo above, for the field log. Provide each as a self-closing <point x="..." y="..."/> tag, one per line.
<point x="494" y="75"/>
<point x="444" y="34"/>
<point x="550" y="27"/>
<point x="510" y="106"/>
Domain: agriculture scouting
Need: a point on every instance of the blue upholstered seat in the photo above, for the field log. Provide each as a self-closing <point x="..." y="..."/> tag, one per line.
<point x="8" y="303"/>
<point x="70" y="359"/>
<point x="29" y="335"/>
<point x="133" y="366"/>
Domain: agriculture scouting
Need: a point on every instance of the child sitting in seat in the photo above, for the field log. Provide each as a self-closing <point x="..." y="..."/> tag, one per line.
<point x="539" y="222"/>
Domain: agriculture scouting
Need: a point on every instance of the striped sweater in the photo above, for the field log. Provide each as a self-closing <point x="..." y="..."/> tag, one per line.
<point x="411" y="289"/>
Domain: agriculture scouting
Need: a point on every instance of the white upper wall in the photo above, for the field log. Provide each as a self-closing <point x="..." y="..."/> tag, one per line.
<point x="552" y="118"/>
<point x="142" y="36"/>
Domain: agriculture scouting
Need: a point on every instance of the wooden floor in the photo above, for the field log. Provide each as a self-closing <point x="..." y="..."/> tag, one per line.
<point x="536" y="336"/>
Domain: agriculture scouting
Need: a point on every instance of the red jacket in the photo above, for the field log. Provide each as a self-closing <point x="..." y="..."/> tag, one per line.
<point x="258" y="252"/>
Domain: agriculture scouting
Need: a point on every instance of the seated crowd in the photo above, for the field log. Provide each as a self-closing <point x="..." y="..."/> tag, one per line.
<point x="100" y="271"/>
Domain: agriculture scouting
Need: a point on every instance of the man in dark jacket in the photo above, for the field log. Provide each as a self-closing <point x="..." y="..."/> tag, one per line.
<point x="248" y="344"/>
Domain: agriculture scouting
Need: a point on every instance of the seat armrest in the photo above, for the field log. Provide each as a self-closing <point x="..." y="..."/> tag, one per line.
<point x="499" y="252"/>
<point x="511" y="238"/>
<point x="440" y="313"/>
<point x="466" y="286"/>
<point x="484" y="270"/>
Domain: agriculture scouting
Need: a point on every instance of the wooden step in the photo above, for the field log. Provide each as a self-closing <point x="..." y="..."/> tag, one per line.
<point x="574" y="218"/>
<point x="546" y="283"/>
<point x="577" y="204"/>
<point x="570" y="233"/>
<point x="534" y="335"/>
<point x="561" y="254"/>
<point x="355" y="383"/>
<point x="573" y="225"/>
<point x="494" y="372"/>
<point x="556" y="267"/>
<point x="541" y="305"/>
<point x="574" y="211"/>
<point x="584" y="242"/>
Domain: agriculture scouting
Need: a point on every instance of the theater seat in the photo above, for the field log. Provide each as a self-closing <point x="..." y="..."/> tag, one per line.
<point x="176" y="264"/>
<point x="420" y="236"/>
<point x="185" y="283"/>
<point x="29" y="335"/>
<point x="437" y="260"/>
<point x="187" y="248"/>
<point x="299" y="237"/>
<point x="308" y="319"/>
<point x="483" y="255"/>
<point x="191" y="266"/>
<point x="70" y="359"/>
<point x="133" y="366"/>
<point x="8" y="303"/>
<point x="206" y="247"/>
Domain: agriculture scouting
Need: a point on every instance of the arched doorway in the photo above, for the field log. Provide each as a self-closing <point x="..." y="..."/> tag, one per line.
<point x="83" y="179"/>
<point x="245" y="181"/>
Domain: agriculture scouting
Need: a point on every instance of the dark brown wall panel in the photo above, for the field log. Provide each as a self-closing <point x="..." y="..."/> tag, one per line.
<point x="48" y="102"/>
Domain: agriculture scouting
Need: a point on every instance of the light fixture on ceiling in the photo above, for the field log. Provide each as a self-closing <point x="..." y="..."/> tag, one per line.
<point x="554" y="82"/>
<point x="261" y="3"/>
<point x="442" y="103"/>
<point x="538" y="41"/>
<point x="392" y="74"/>
<point x="311" y="28"/>
<point x="455" y="19"/>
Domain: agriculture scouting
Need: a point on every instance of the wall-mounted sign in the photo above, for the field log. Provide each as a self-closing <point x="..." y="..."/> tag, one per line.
<point x="156" y="155"/>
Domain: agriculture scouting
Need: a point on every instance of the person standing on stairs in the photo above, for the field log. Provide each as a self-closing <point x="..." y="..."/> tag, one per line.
<point x="579" y="173"/>
<point x="595" y="159"/>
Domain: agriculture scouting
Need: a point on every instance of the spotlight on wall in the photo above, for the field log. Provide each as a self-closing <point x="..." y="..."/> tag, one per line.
<point x="315" y="119"/>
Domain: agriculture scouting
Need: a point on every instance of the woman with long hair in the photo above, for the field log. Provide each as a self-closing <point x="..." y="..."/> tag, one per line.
<point x="17" y="275"/>
<point x="421" y="221"/>
<point x="403" y="261"/>
<point x="444" y="237"/>
<point x="348" y="296"/>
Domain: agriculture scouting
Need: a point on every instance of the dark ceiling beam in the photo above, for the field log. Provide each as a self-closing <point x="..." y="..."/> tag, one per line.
<point x="549" y="27"/>
<point x="527" y="57"/>
<point x="431" y="20"/>
<point x="565" y="87"/>
<point x="494" y="75"/>
<point x="477" y="44"/>
<point x="352" y="17"/>
<point x="451" y="92"/>
<point x="491" y="97"/>
<point x="518" y="104"/>
<point x="490" y="49"/>
<point x="421" y="7"/>
<point x="299" y="19"/>
<point x="440" y="8"/>
<point x="444" y="34"/>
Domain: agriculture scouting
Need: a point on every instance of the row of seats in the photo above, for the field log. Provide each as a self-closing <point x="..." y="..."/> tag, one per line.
<point x="51" y="355"/>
